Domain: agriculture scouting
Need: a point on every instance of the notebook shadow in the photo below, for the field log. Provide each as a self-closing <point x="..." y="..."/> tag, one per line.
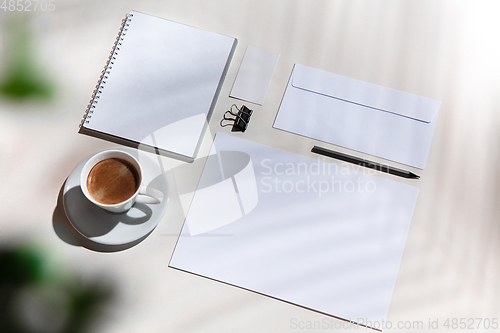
<point x="231" y="162"/>
<point x="67" y="233"/>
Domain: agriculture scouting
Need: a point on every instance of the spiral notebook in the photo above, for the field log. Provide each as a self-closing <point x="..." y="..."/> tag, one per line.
<point x="159" y="86"/>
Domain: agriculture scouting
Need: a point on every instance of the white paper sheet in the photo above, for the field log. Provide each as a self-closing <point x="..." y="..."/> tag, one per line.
<point x="372" y="119"/>
<point x="312" y="234"/>
<point x="254" y="75"/>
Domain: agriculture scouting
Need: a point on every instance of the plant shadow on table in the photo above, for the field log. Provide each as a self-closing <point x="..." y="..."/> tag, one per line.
<point x="23" y="77"/>
<point x="36" y="298"/>
<point x="66" y="232"/>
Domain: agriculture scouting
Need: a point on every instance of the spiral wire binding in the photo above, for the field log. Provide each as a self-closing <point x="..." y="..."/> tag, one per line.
<point x="107" y="70"/>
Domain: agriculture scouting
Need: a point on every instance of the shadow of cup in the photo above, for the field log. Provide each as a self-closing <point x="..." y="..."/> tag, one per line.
<point x="100" y="226"/>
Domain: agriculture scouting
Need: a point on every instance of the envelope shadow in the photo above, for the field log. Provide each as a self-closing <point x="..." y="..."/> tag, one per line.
<point x="66" y="232"/>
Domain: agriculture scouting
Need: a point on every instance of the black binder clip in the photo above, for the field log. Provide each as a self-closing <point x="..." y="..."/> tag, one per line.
<point x="240" y="120"/>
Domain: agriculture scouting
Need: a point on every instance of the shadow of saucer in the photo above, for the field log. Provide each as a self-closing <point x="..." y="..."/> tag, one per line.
<point x="93" y="221"/>
<point x="66" y="232"/>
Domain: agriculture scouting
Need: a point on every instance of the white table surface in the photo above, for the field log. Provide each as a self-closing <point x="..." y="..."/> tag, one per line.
<point x="445" y="50"/>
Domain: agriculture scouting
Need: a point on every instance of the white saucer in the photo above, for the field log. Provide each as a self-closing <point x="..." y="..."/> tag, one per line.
<point x="108" y="228"/>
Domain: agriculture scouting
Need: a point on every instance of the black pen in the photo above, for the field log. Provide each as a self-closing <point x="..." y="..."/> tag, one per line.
<point x="365" y="163"/>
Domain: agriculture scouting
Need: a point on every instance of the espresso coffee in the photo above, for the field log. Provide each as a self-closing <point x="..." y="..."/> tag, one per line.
<point x="112" y="181"/>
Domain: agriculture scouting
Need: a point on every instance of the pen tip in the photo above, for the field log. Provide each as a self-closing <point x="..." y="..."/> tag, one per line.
<point x="414" y="176"/>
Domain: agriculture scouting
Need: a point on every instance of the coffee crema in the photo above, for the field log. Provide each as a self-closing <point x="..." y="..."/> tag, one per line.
<point x="112" y="181"/>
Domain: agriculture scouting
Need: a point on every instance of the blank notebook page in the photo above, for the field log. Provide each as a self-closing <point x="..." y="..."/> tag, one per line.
<point x="162" y="84"/>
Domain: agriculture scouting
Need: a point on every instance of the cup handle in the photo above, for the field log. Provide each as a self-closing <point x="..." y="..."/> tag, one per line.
<point x="148" y="195"/>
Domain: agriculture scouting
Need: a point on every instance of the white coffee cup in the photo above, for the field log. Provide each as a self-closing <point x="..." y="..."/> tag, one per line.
<point x="143" y="194"/>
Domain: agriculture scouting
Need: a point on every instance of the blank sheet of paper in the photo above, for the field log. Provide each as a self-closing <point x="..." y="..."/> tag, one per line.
<point x="254" y="75"/>
<point x="310" y="233"/>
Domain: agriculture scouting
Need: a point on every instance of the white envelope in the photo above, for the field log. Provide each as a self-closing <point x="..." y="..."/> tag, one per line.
<point x="372" y="119"/>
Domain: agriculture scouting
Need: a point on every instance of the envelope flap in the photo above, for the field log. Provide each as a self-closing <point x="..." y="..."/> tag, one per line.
<point x="364" y="93"/>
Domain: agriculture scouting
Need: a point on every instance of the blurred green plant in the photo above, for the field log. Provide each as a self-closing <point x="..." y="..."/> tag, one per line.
<point x="23" y="78"/>
<point x="33" y="299"/>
